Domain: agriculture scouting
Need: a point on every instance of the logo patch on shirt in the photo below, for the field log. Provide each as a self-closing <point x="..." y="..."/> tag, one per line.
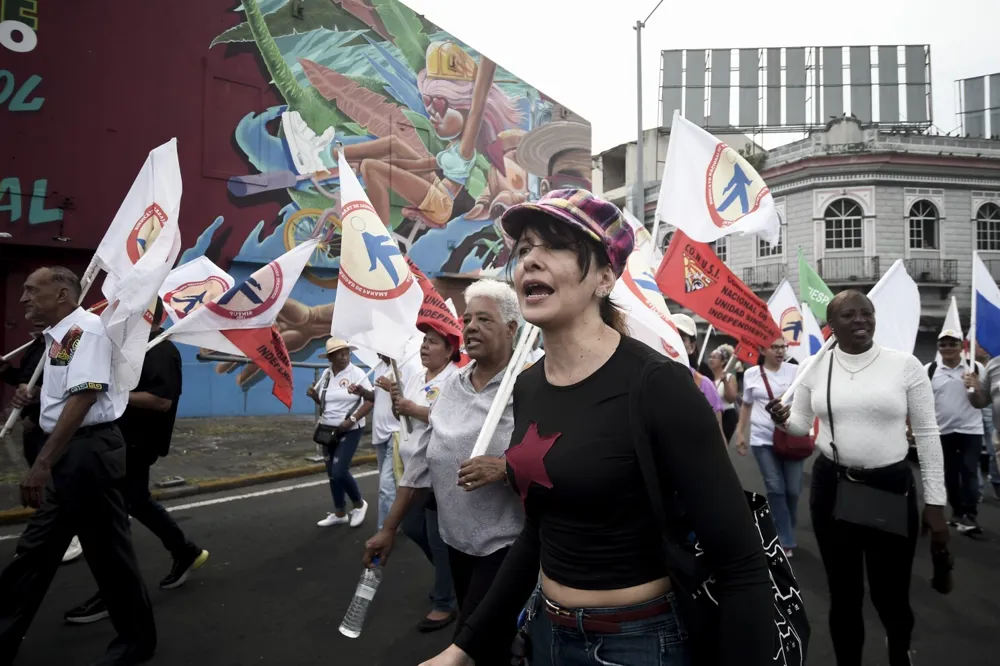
<point x="88" y="386"/>
<point x="345" y="382"/>
<point x="61" y="353"/>
<point x="431" y="393"/>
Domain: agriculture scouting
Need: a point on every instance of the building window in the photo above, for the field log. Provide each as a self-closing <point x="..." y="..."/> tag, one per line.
<point x="721" y="248"/>
<point x="988" y="227"/>
<point x="667" y="237"/>
<point x="765" y="249"/>
<point x="923" y="219"/>
<point x="844" y="225"/>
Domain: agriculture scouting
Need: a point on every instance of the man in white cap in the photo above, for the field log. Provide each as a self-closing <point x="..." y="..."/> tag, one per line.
<point x="961" y="423"/>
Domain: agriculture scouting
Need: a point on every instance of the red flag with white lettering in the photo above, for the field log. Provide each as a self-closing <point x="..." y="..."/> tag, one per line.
<point x="434" y="312"/>
<point x="692" y="275"/>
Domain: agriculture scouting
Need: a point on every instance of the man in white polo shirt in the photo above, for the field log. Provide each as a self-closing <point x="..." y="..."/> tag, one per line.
<point x="74" y="482"/>
<point x="961" y="423"/>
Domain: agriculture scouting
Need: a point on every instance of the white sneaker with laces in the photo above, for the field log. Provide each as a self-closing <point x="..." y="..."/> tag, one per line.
<point x="333" y="519"/>
<point x="74" y="551"/>
<point x="358" y="515"/>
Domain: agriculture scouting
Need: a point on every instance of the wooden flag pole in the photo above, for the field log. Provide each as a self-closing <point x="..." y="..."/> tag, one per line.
<point x="407" y="426"/>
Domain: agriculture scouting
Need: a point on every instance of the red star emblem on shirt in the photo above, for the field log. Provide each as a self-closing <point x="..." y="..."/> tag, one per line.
<point x="526" y="460"/>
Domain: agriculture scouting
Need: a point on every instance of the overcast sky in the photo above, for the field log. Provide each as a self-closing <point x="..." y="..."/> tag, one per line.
<point x="583" y="53"/>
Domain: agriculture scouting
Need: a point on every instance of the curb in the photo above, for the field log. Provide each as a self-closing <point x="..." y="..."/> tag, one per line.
<point x="19" y="515"/>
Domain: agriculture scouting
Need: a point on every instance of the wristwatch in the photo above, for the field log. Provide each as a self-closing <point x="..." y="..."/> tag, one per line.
<point x="351" y="419"/>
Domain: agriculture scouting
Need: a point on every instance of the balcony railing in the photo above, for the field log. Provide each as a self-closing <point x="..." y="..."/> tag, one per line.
<point x="764" y="276"/>
<point x="856" y="270"/>
<point x="933" y="271"/>
<point x="994" y="267"/>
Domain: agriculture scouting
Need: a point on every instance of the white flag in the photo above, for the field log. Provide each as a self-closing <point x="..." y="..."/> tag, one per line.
<point x="813" y="332"/>
<point x="649" y="320"/>
<point x="137" y="252"/>
<point x="377" y="297"/>
<point x="644" y="241"/>
<point x="709" y="190"/>
<point x="786" y="314"/>
<point x="897" y="309"/>
<point x="190" y="286"/>
<point x="953" y="329"/>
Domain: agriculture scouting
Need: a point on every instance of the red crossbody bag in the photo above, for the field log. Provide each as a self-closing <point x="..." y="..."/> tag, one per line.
<point x="785" y="445"/>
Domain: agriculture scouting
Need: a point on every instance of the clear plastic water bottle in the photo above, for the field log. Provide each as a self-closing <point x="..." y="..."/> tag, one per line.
<point x="355" y="617"/>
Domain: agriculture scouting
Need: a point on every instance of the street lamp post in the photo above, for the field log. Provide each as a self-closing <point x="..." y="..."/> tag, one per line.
<point x="639" y="197"/>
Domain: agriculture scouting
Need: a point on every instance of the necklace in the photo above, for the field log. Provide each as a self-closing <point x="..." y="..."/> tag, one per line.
<point x="852" y="373"/>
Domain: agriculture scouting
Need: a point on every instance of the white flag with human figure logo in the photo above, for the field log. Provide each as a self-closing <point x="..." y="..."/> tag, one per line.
<point x="137" y="252"/>
<point x="709" y="190"/>
<point x="811" y="328"/>
<point x="785" y="312"/>
<point x="378" y="299"/>
<point x="244" y="314"/>
<point x="189" y="287"/>
<point x="649" y="320"/>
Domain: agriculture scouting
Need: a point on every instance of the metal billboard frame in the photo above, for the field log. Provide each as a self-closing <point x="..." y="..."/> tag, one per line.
<point x="989" y="106"/>
<point x="798" y="89"/>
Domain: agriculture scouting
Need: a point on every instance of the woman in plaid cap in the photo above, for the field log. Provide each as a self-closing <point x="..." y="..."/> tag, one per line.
<point x="605" y="594"/>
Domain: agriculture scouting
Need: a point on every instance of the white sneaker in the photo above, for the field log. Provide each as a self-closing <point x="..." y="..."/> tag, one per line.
<point x="358" y="515"/>
<point x="333" y="519"/>
<point x="74" y="551"/>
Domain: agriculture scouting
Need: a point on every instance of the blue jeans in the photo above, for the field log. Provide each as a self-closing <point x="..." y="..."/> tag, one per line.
<point x="386" y="480"/>
<point x="421" y="526"/>
<point x="656" y="641"/>
<point x="783" y="482"/>
<point x="338" y="469"/>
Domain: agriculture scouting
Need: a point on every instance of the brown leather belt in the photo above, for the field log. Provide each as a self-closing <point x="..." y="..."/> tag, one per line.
<point x="604" y="623"/>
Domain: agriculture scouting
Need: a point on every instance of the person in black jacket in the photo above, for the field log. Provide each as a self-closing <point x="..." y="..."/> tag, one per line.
<point x="606" y="594"/>
<point x="146" y="426"/>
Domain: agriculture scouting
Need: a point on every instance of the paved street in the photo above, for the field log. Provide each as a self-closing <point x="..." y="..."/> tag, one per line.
<point x="276" y="587"/>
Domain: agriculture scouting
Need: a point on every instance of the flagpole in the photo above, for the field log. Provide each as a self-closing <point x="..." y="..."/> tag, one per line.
<point x="88" y="279"/>
<point x="407" y="426"/>
<point x="972" y="323"/>
<point x="807" y="368"/>
<point x="704" y="344"/>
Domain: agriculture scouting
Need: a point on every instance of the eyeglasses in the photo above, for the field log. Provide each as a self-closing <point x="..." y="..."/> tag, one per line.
<point x="949" y="343"/>
<point x="779" y="347"/>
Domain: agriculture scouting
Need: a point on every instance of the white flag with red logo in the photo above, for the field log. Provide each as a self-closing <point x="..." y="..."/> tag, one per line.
<point x="244" y="314"/>
<point x="190" y="286"/>
<point x="137" y="252"/>
<point x="649" y="319"/>
<point x="378" y="299"/>
<point x="709" y="190"/>
<point x="784" y="308"/>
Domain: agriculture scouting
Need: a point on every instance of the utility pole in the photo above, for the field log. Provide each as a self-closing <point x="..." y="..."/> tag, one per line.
<point x="639" y="196"/>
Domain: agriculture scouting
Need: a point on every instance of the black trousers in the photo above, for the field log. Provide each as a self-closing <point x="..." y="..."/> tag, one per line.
<point x="730" y="419"/>
<point x="961" y="465"/>
<point x="83" y="498"/>
<point x="32" y="441"/>
<point x="848" y="551"/>
<point x="151" y="514"/>
<point x="472" y="577"/>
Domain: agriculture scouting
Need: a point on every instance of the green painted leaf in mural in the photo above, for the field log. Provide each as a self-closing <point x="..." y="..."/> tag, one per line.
<point x="281" y="22"/>
<point x="425" y="130"/>
<point x="407" y="31"/>
<point x="476" y="182"/>
<point x="353" y="128"/>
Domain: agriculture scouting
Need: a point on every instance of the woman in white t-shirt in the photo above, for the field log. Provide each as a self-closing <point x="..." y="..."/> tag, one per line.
<point x="782" y="478"/>
<point x="439" y="354"/>
<point x="346" y="411"/>
<point x="723" y="373"/>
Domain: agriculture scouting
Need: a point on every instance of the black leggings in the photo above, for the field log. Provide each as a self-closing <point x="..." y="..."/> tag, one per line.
<point x="848" y="551"/>
<point x="472" y="577"/>
<point x="730" y="419"/>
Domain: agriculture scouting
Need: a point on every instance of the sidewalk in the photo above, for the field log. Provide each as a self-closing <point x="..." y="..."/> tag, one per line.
<point x="205" y="450"/>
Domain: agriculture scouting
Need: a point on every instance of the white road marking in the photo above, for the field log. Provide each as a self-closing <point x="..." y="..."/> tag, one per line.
<point x="233" y="498"/>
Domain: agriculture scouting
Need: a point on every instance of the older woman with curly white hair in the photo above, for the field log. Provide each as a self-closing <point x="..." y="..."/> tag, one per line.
<point x="724" y="369"/>
<point x="479" y="516"/>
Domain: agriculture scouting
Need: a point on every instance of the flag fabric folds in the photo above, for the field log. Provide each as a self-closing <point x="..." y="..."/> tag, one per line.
<point x="245" y="315"/>
<point x="638" y="295"/>
<point x="189" y="287"/>
<point x="378" y="300"/>
<point x="897" y="309"/>
<point x="987" y="307"/>
<point x="812" y="289"/>
<point x="814" y="337"/>
<point x="786" y="314"/>
<point x="137" y="252"/>
<point x="693" y="276"/>
<point x="435" y="311"/>
<point x="709" y="190"/>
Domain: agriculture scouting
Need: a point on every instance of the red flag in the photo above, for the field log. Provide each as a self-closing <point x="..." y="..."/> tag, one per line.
<point x="266" y="348"/>
<point x="434" y="311"/>
<point x="692" y="275"/>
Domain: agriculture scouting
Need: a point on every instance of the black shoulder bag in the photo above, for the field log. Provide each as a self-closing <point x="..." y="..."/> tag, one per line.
<point x="328" y="435"/>
<point x="692" y="578"/>
<point x="858" y="501"/>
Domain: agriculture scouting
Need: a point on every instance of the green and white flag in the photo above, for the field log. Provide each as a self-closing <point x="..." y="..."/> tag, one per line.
<point x="812" y="289"/>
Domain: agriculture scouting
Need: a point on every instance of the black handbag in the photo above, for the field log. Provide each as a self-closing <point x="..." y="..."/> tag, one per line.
<point x="692" y="577"/>
<point x="858" y="502"/>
